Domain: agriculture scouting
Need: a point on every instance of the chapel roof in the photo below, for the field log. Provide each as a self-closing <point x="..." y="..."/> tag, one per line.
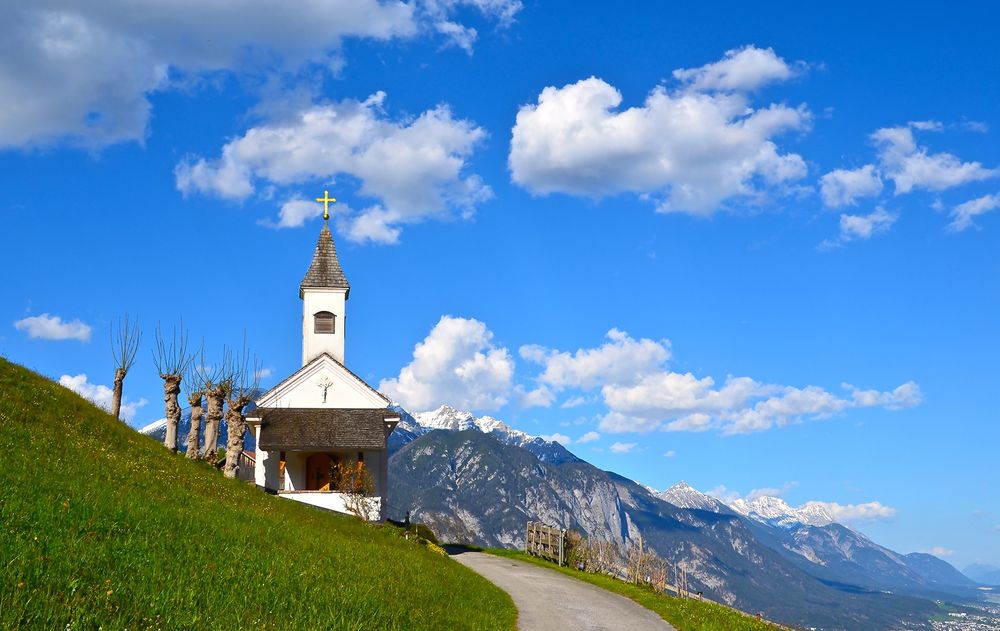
<point x="301" y="429"/>
<point x="325" y="271"/>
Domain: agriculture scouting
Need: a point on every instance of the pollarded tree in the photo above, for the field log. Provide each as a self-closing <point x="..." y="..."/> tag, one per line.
<point x="125" y="339"/>
<point x="195" y="380"/>
<point x="172" y="361"/>
<point x="216" y="385"/>
<point x="243" y="377"/>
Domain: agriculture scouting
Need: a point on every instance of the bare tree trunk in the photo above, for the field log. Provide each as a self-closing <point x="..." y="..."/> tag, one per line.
<point x="192" y="442"/>
<point x="171" y="389"/>
<point x="116" y="395"/>
<point x="237" y="425"/>
<point x="215" y="398"/>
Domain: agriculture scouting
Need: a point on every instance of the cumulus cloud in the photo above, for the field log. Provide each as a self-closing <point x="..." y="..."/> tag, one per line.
<point x="856" y="513"/>
<point x="562" y="439"/>
<point x="84" y="71"/>
<point x="861" y="227"/>
<point x="691" y="149"/>
<point x="100" y="395"/>
<point x="539" y="397"/>
<point x="740" y="70"/>
<point x="911" y="166"/>
<point x="642" y="394"/>
<point x="728" y="496"/>
<point x="940" y="551"/>
<point x="413" y="168"/>
<point x="843" y="187"/>
<point x="294" y="213"/>
<point x="962" y="215"/>
<point x="456" y="364"/>
<point x="621" y="359"/>
<point x="589" y="437"/>
<point x="51" y="327"/>
<point x="623" y="448"/>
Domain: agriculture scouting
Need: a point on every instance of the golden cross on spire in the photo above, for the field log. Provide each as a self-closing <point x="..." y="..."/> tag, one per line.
<point x="326" y="200"/>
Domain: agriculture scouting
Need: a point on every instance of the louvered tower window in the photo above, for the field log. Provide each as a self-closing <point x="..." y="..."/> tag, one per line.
<point x="324" y="322"/>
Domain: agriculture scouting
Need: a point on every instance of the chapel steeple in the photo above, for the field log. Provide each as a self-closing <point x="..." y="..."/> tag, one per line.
<point x="325" y="271"/>
<point x="324" y="292"/>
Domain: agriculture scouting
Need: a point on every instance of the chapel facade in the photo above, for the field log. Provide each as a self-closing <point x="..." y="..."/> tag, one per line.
<point x="323" y="419"/>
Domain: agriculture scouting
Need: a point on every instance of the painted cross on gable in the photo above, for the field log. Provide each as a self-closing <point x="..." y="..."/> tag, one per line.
<point x="325" y="384"/>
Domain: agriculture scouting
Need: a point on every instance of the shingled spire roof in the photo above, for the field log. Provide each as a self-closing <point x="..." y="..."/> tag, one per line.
<point x="325" y="271"/>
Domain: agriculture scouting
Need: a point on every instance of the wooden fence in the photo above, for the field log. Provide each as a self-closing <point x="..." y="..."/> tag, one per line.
<point x="546" y="542"/>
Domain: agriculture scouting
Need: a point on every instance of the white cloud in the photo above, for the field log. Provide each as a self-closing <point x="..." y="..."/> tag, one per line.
<point x="458" y="34"/>
<point x="621" y="359"/>
<point x="739" y="70"/>
<point x="856" y="513"/>
<point x="728" y="496"/>
<point x="539" y="397"/>
<point x="573" y="402"/>
<point x="623" y="448"/>
<point x="414" y="168"/>
<point x="962" y="215"/>
<point x="84" y="71"/>
<point x="265" y="373"/>
<point x="670" y="453"/>
<point x="100" y="395"/>
<point x="772" y="491"/>
<point x="562" y="439"/>
<point x="861" y="227"/>
<point x="589" y="437"/>
<point x="864" y="226"/>
<point x="940" y="551"/>
<point x="691" y="149"/>
<point x="843" y="187"/>
<point x="294" y="213"/>
<point x="654" y="397"/>
<point x="456" y="364"/>
<point x="50" y="327"/>
<point x="911" y="166"/>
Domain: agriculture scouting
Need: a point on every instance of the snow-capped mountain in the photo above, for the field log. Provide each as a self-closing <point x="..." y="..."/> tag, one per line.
<point x="684" y="495"/>
<point x="775" y="511"/>
<point x="810" y="537"/>
<point x="412" y="426"/>
<point x="154" y="428"/>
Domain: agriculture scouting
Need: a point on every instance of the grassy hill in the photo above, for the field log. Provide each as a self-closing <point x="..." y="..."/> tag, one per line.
<point x="102" y="526"/>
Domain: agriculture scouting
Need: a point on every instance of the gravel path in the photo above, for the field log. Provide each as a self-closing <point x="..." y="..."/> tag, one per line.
<point x="548" y="601"/>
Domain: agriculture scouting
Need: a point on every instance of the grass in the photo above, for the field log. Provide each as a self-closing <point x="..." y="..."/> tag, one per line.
<point x="100" y="526"/>
<point x="686" y="614"/>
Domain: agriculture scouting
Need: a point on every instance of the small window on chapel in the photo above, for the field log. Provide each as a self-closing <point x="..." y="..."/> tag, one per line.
<point x="324" y="322"/>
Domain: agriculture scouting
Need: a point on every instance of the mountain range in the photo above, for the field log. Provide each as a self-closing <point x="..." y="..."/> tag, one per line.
<point x="476" y="480"/>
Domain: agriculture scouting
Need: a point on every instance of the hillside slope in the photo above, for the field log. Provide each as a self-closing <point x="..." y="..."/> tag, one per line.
<point x="100" y="526"/>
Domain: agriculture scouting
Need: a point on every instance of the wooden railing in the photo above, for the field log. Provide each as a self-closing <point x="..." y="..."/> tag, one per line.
<point x="546" y="542"/>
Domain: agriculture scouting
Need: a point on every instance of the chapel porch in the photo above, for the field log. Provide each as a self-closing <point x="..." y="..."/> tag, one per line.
<point x="325" y="457"/>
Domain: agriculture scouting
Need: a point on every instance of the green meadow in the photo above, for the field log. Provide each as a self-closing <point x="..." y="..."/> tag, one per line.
<point x="102" y="527"/>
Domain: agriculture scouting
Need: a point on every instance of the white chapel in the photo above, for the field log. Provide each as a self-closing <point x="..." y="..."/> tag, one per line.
<point x="322" y="417"/>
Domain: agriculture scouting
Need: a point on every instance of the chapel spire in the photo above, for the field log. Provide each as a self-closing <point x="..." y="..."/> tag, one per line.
<point x="325" y="271"/>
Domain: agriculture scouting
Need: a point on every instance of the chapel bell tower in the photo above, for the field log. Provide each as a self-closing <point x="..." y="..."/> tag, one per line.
<point x="324" y="292"/>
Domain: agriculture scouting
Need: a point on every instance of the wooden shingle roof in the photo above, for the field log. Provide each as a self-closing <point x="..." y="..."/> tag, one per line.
<point x="303" y="429"/>
<point x="325" y="271"/>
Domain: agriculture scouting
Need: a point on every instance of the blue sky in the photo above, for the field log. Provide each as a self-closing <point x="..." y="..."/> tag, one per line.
<point x="761" y="240"/>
